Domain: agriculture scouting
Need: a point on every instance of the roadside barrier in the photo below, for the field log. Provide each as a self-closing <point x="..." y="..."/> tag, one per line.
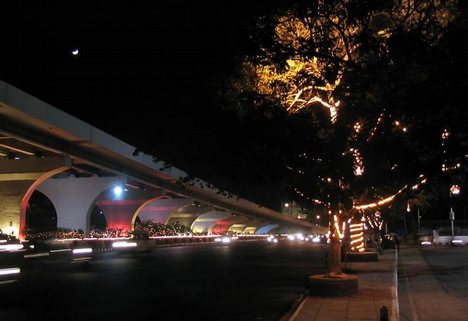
<point x="102" y="245"/>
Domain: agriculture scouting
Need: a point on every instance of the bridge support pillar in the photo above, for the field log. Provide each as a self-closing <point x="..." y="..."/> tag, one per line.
<point x="74" y="198"/>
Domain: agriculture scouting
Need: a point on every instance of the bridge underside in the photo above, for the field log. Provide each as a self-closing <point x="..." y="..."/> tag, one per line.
<point x="73" y="164"/>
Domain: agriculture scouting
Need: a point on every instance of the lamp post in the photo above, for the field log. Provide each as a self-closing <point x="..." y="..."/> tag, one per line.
<point x="454" y="190"/>
<point x="419" y="223"/>
<point x="288" y="207"/>
<point x="408" y="209"/>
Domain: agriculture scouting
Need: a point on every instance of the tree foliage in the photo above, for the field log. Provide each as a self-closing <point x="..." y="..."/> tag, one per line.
<point x="369" y="89"/>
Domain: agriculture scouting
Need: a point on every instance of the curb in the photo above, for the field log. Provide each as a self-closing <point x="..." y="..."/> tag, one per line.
<point x="395" y="304"/>
<point x="294" y="310"/>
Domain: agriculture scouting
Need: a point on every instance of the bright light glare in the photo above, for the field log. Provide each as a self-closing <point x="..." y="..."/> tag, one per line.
<point x="291" y="237"/>
<point x="226" y="239"/>
<point x="300" y="237"/>
<point x="82" y="250"/>
<point x="118" y="190"/>
<point x="316" y="239"/>
<point x="426" y="243"/>
<point x="218" y="239"/>
<point x="11" y="247"/>
<point x="455" y="189"/>
<point x="123" y="244"/>
<point x="457" y="241"/>
<point x="10" y="271"/>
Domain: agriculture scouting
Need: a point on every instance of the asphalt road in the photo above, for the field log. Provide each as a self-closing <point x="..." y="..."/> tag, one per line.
<point x="244" y="281"/>
<point x="450" y="267"/>
<point x="433" y="284"/>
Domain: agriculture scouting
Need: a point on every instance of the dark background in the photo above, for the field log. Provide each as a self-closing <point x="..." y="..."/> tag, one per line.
<point x="148" y="73"/>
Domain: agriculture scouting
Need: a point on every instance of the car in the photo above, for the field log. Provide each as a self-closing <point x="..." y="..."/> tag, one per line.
<point x="275" y="238"/>
<point x="387" y="242"/>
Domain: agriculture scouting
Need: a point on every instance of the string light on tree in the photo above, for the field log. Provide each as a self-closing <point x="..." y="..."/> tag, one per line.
<point x="292" y="70"/>
<point x="357" y="236"/>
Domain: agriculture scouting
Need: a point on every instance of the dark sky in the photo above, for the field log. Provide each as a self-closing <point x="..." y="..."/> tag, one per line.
<point x="144" y="68"/>
<point x="134" y="55"/>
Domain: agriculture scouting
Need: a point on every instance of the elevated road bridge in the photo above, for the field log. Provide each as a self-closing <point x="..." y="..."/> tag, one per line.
<point x="79" y="167"/>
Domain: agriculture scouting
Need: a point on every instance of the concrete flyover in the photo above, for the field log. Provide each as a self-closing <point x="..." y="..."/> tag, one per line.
<point x="77" y="166"/>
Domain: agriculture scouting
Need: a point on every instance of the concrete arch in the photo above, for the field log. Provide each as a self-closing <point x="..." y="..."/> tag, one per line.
<point x="266" y="229"/>
<point x="205" y="222"/>
<point x="27" y="196"/>
<point x="234" y="223"/>
<point x="252" y="226"/>
<point x="19" y="178"/>
<point x="146" y="205"/>
<point x="160" y="209"/>
<point x="74" y="198"/>
<point x="187" y="214"/>
<point x="40" y="212"/>
<point x="119" y="210"/>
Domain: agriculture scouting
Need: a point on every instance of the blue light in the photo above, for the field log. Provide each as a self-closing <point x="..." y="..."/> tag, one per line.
<point x="118" y="190"/>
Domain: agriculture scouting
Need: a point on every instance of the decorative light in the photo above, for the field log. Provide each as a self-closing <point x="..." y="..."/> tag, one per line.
<point x="357" y="127"/>
<point x="455" y="189"/>
<point x="382" y="201"/>
<point x="357" y="236"/>
<point x="358" y="163"/>
<point x="445" y="134"/>
<point x="374" y="129"/>
<point x="337" y="227"/>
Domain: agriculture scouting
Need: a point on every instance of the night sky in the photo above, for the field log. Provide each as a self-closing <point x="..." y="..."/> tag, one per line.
<point x="134" y="56"/>
<point x="143" y="68"/>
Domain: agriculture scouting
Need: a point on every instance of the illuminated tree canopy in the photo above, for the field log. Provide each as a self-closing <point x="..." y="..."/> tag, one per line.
<point x="369" y="88"/>
<point x="343" y="60"/>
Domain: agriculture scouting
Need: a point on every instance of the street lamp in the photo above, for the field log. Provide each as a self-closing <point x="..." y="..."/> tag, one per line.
<point x="408" y="209"/>
<point x="419" y="222"/>
<point x="454" y="190"/>
<point x="288" y="208"/>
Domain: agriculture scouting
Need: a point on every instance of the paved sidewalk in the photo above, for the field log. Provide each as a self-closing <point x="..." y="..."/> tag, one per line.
<point x="377" y="288"/>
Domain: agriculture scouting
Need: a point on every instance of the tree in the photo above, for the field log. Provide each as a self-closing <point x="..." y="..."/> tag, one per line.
<point x="356" y="79"/>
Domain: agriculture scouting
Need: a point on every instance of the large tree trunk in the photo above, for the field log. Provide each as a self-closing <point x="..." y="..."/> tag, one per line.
<point x="334" y="254"/>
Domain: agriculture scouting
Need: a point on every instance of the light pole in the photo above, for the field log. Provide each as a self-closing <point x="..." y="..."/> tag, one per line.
<point x="408" y="209"/>
<point x="288" y="207"/>
<point x="454" y="190"/>
<point x="452" y="218"/>
<point x="419" y="223"/>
